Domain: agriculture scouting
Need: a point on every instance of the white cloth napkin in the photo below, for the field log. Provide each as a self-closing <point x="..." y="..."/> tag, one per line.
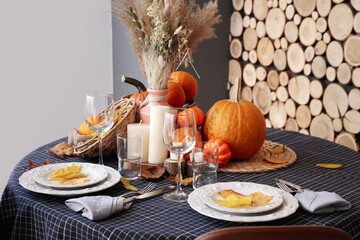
<point x="322" y="202"/>
<point x="97" y="207"/>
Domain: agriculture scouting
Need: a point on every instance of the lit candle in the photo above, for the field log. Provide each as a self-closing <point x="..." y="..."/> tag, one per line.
<point x="157" y="149"/>
<point x="143" y="129"/>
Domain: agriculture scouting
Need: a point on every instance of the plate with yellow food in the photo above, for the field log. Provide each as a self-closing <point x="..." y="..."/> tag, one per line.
<point x="69" y="175"/>
<point x="287" y="208"/>
<point x="241" y="197"/>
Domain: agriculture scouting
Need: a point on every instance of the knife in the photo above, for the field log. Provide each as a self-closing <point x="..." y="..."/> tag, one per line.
<point x="150" y="194"/>
<point x="297" y="187"/>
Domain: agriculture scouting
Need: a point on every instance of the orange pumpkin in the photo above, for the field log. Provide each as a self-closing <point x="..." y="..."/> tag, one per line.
<point x="139" y="97"/>
<point x="176" y="96"/>
<point x="239" y="123"/>
<point x="185" y="118"/>
<point x="187" y="82"/>
<point x="224" y="150"/>
<point x="199" y="116"/>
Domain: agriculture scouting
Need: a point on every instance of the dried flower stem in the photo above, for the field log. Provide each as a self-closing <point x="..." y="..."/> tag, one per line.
<point x="164" y="35"/>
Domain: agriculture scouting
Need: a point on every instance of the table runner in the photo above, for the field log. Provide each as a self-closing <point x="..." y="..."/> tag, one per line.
<point x="28" y="215"/>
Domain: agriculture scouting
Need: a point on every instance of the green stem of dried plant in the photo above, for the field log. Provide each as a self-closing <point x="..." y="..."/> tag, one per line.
<point x="163" y="34"/>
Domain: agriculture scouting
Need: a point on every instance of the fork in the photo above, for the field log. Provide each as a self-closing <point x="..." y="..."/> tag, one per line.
<point x="146" y="189"/>
<point x="285" y="188"/>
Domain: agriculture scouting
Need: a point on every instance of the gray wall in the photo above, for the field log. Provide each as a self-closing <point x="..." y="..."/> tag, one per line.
<point x="211" y="61"/>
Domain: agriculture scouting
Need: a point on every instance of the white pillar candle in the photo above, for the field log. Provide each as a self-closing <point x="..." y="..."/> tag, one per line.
<point x="157" y="149"/>
<point x="143" y="129"/>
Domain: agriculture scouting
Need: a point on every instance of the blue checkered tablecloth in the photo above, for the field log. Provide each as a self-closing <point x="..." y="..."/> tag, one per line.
<point x="28" y="215"/>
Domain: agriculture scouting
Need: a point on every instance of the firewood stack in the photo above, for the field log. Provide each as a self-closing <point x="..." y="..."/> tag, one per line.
<point x="299" y="62"/>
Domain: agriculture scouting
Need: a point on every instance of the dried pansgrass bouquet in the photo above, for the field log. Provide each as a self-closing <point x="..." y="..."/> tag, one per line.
<point x="164" y="34"/>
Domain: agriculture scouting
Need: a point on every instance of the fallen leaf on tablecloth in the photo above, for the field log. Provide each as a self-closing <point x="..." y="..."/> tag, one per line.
<point x="154" y="172"/>
<point x="328" y="165"/>
<point x="47" y="162"/>
<point x="62" y="149"/>
<point x="32" y="165"/>
<point x="127" y="184"/>
<point x="275" y="160"/>
<point x="277" y="149"/>
<point x="184" y="182"/>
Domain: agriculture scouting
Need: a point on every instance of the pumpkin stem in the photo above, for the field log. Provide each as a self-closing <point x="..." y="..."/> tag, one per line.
<point x="235" y="97"/>
<point x="134" y="82"/>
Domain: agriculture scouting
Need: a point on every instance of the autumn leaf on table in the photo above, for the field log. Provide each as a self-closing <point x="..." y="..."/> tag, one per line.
<point x="152" y="172"/>
<point x="329" y="165"/>
<point x="184" y="182"/>
<point x="32" y="165"/>
<point x="62" y="149"/>
<point x="277" y="149"/>
<point x="127" y="184"/>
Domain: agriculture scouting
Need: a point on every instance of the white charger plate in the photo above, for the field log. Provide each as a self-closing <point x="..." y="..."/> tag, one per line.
<point x="96" y="173"/>
<point x="26" y="180"/>
<point x="209" y="192"/>
<point x="289" y="206"/>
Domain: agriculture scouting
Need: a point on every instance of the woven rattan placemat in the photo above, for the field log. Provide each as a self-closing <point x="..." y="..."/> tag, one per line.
<point x="257" y="163"/>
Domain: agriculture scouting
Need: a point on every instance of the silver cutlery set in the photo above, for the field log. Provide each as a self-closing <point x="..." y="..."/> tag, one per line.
<point x="285" y="186"/>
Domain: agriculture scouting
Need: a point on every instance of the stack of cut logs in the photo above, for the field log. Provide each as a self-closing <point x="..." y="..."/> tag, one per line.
<point x="299" y="62"/>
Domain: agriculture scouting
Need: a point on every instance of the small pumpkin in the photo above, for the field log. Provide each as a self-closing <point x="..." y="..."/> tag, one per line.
<point x="187" y="82"/>
<point x="199" y="116"/>
<point x="176" y="96"/>
<point x="185" y="118"/>
<point x="224" y="150"/>
<point x="139" y="97"/>
<point x="239" y="123"/>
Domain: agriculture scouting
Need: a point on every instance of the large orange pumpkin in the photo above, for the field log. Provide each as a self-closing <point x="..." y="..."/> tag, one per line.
<point x="188" y="83"/>
<point x="239" y="123"/>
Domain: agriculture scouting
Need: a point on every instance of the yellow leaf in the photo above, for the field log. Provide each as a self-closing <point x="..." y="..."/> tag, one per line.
<point x="277" y="149"/>
<point x="127" y="184"/>
<point x="65" y="171"/>
<point x="275" y="160"/>
<point x="326" y="165"/>
<point x="234" y="201"/>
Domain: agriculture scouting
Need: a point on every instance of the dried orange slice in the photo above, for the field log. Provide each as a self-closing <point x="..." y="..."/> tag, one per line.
<point x="329" y="165"/>
<point x="277" y="149"/>
<point x="275" y="160"/>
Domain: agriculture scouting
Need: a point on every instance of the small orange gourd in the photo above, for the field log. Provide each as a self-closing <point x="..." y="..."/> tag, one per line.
<point x="224" y="151"/>
<point x="239" y="123"/>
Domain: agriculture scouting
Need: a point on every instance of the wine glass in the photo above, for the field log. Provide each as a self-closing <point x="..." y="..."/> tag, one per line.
<point x="99" y="115"/>
<point x="179" y="136"/>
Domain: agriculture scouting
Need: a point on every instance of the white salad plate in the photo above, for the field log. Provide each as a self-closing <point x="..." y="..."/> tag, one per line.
<point x="287" y="208"/>
<point x="95" y="174"/>
<point x="209" y="192"/>
<point x="26" y="180"/>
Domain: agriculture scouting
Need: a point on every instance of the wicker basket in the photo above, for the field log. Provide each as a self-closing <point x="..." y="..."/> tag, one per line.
<point x="90" y="149"/>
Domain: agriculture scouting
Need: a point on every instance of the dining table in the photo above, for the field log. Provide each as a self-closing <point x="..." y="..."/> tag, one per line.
<point x="29" y="215"/>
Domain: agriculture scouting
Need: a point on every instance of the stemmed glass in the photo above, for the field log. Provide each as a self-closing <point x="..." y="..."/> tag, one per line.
<point x="99" y="115"/>
<point x="179" y="136"/>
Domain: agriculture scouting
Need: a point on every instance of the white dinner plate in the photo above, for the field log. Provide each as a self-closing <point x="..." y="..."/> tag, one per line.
<point x="289" y="206"/>
<point x="209" y="192"/>
<point x="26" y="180"/>
<point x="95" y="174"/>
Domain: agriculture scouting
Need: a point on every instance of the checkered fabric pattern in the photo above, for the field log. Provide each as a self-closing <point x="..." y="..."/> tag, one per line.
<point x="28" y="215"/>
